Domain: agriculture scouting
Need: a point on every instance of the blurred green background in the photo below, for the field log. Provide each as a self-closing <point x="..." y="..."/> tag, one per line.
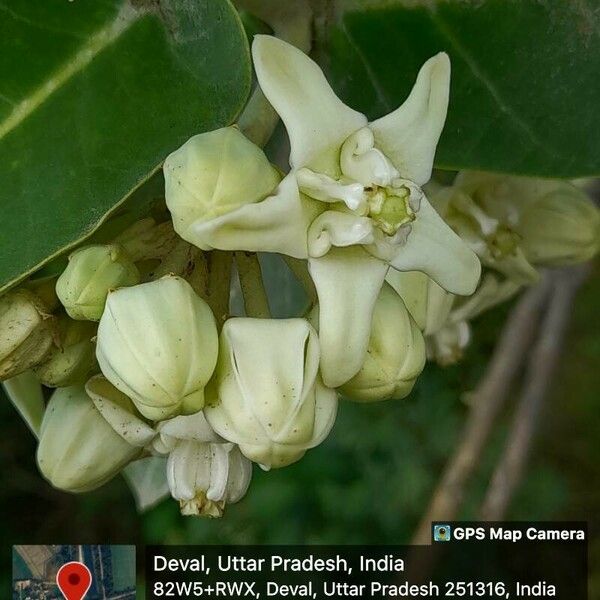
<point x="368" y="483"/>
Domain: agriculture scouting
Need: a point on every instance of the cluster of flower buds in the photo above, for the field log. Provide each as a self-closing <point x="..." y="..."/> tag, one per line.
<point x="148" y="362"/>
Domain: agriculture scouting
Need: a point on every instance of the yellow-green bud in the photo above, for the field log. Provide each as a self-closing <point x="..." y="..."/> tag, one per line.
<point x="78" y="450"/>
<point x="213" y="174"/>
<point x="74" y="358"/>
<point x="268" y="396"/>
<point x="560" y="228"/>
<point x="158" y="344"/>
<point x="27" y="332"/>
<point x="91" y="273"/>
<point x="395" y="356"/>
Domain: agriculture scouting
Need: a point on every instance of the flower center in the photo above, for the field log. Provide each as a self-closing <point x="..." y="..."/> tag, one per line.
<point x="369" y="186"/>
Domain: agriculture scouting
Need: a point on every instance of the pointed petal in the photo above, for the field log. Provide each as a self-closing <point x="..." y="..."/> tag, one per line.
<point x="276" y="224"/>
<point x="317" y="121"/>
<point x="409" y="135"/>
<point x="348" y="281"/>
<point x="434" y="249"/>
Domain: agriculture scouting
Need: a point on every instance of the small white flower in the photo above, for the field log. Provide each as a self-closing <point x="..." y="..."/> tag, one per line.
<point x="78" y="449"/>
<point x="157" y="343"/>
<point x="268" y="396"/>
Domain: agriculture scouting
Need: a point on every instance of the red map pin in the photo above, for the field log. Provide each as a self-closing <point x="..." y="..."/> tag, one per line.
<point x="74" y="580"/>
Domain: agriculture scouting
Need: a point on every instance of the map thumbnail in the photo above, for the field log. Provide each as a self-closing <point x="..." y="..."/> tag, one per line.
<point x="34" y="571"/>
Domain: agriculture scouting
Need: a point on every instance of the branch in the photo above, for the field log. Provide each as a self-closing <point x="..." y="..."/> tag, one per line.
<point x="488" y="399"/>
<point x="538" y="378"/>
<point x="256" y="301"/>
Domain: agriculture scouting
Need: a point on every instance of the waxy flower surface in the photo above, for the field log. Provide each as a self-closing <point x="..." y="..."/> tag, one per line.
<point x="268" y="396"/>
<point x="157" y="343"/>
<point x="353" y="196"/>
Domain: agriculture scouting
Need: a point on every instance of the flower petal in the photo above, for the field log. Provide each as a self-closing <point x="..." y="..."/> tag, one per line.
<point x="409" y="135"/>
<point x="276" y="224"/>
<point x="434" y="249"/>
<point x="335" y="228"/>
<point x="317" y="121"/>
<point x="348" y="281"/>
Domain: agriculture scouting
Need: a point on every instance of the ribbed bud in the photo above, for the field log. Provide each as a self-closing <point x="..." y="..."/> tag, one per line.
<point x="560" y="228"/>
<point x="78" y="450"/>
<point x="213" y="174"/>
<point x="395" y="356"/>
<point x="74" y="358"/>
<point x="158" y="344"/>
<point x="267" y="395"/>
<point x="27" y="332"/>
<point x="91" y="273"/>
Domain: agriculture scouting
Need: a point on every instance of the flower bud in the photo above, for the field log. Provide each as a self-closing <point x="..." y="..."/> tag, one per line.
<point x="396" y="353"/>
<point x="158" y="344"/>
<point x="206" y="476"/>
<point x="267" y="395"/>
<point x="428" y="303"/>
<point x="27" y="332"/>
<point x="213" y="174"/>
<point x="560" y="228"/>
<point x="78" y="450"/>
<point x="75" y="357"/>
<point x="91" y="273"/>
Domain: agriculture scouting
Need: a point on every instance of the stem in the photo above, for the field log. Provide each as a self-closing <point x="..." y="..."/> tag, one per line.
<point x="218" y="273"/>
<point x="300" y="270"/>
<point x="488" y="399"/>
<point x="290" y="21"/>
<point x="256" y="301"/>
<point x="179" y="261"/>
<point x="146" y="240"/>
<point x="538" y="378"/>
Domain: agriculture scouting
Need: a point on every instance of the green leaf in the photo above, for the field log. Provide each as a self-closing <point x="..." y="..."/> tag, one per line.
<point x="525" y="83"/>
<point x="93" y="96"/>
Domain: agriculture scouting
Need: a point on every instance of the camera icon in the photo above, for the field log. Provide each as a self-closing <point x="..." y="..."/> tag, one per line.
<point x="442" y="533"/>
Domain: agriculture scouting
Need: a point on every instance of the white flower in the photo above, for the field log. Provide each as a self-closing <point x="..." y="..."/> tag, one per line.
<point x="157" y="343"/>
<point x="91" y="273"/>
<point x="268" y="396"/>
<point x="206" y="476"/>
<point x="517" y="223"/>
<point x="79" y="450"/>
<point x="352" y="203"/>
<point x="395" y="356"/>
<point x="27" y="332"/>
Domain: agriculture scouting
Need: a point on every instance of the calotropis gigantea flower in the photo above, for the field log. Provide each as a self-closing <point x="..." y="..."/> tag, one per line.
<point x="204" y="471"/>
<point x="204" y="477"/>
<point x="91" y="273"/>
<point x="78" y="450"/>
<point x="157" y="343"/>
<point x="395" y="356"/>
<point x="27" y="332"/>
<point x="267" y="395"/>
<point x="517" y="223"/>
<point x="73" y="358"/>
<point x="352" y="203"/>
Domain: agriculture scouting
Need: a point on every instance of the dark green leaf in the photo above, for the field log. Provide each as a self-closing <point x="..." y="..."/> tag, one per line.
<point x="525" y="83"/>
<point x="93" y="95"/>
